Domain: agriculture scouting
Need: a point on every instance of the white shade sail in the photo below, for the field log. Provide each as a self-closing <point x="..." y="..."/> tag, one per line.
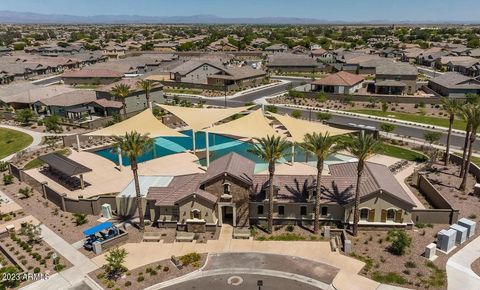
<point x="143" y="123"/>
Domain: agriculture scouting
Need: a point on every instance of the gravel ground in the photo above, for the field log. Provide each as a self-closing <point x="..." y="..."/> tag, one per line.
<point x="476" y="266"/>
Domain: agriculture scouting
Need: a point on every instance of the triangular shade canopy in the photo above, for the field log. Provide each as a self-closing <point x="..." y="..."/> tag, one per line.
<point x="143" y="123"/>
<point x="253" y="125"/>
<point x="201" y="118"/>
<point x="299" y="128"/>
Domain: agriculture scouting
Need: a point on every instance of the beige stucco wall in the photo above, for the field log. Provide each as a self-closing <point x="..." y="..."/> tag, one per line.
<point x="379" y="201"/>
<point x="207" y="211"/>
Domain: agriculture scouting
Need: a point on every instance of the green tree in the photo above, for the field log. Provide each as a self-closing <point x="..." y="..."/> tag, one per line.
<point x="122" y="91"/>
<point x="432" y="137"/>
<point x="451" y="107"/>
<point x="321" y="97"/>
<point x="362" y="147"/>
<point x="9" y="271"/>
<point x="271" y="108"/>
<point x="473" y="115"/>
<point x="134" y="145"/>
<point x="270" y="149"/>
<point x="384" y="106"/>
<point x="296" y="114"/>
<point x="25" y="116"/>
<point x="321" y="146"/>
<point x="387" y="128"/>
<point x="52" y="124"/>
<point x="400" y="242"/>
<point x="147" y="87"/>
<point x="115" y="259"/>
<point x="324" y="116"/>
<point x="80" y="219"/>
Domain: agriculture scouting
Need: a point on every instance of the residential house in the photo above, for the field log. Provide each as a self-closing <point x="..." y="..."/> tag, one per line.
<point x="287" y="62"/>
<point x="91" y="76"/>
<point x="396" y="79"/>
<point x="338" y="83"/>
<point x="454" y="85"/>
<point x="275" y="48"/>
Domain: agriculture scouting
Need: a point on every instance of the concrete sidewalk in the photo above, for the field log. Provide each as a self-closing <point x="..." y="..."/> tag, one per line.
<point x="459" y="272"/>
<point x="65" y="279"/>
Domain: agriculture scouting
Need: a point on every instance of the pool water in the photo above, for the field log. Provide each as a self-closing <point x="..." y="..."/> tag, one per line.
<point x="219" y="146"/>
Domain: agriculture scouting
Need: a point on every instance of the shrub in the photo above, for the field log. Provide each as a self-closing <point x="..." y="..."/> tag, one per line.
<point x="128" y="283"/>
<point x="166" y="269"/>
<point x="410" y="264"/>
<point x="100" y="276"/>
<point x="36" y="270"/>
<point x="110" y="284"/>
<point x="7" y="179"/>
<point x="290" y="228"/>
<point x="80" y="219"/>
<point x="400" y="241"/>
<point x="389" y="278"/>
<point x="59" y="267"/>
<point x="190" y="258"/>
<point x="140" y="278"/>
<point x="3" y="166"/>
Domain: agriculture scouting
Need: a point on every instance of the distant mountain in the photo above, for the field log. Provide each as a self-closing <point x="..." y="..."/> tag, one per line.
<point x="32" y="18"/>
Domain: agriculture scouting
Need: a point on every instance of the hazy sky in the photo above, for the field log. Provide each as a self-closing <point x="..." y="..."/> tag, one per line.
<point x="348" y="10"/>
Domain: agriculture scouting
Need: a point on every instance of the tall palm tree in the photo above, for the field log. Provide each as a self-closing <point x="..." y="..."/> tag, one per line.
<point x="463" y="113"/>
<point x="122" y="91"/>
<point x="321" y="145"/>
<point x="362" y="147"/>
<point x="133" y="145"/>
<point x="146" y="86"/>
<point x="451" y="107"/>
<point x="473" y="114"/>
<point x="270" y="149"/>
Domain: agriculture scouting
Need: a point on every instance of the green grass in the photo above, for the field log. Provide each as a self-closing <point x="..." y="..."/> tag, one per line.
<point x="12" y="141"/>
<point x="283" y="237"/>
<point x="183" y="91"/>
<point x="389" y="278"/>
<point x="438" y="278"/>
<point x="402" y="153"/>
<point x="37" y="162"/>
<point x="417" y="118"/>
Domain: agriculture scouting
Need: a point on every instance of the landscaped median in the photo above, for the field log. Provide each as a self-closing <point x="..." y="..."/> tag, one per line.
<point x="402" y="153"/>
<point x="415" y="118"/>
<point x="12" y="141"/>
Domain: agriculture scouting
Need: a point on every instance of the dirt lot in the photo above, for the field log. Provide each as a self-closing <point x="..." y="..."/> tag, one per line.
<point x="49" y="214"/>
<point x="34" y="126"/>
<point x="476" y="266"/>
<point x="285" y="233"/>
<point x="148" y="275"/>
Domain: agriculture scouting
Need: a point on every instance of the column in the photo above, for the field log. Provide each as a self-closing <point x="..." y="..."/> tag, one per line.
<point x="220" y="217"/>
<point x="234" y="210"/>
<point x="193" y="141"/>
<point x="293" y="153"/>
<point x="78" y="143"/>
<point x="207" y="151"/>
<point x="119" y="158"/>
<point x="82" y="183"/>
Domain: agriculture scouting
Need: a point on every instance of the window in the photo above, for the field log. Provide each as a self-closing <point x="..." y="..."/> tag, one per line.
<point x="226" y="188"/>
<point x="260" y="209"/>
<point x="303" y="210"/>
<point x="390" y="215"/>
<point x="281" y="210"/>
<point x="324" y="210"/>
<point x="364" y="214"/>
<point x="196" y="214"/>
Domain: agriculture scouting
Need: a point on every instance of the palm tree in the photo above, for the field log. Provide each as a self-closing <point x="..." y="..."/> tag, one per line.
<point x="362" y="147"/>
<point x="122" y="91"/>
<point x="133" y="145"/>
<point x="146" y="86"/>
<point x="321" y="146"/>
<point x="270" y="149"/>
<point x="463" y="113"/>
<point x="451" y="107"/>
<point x="473" y="115"/>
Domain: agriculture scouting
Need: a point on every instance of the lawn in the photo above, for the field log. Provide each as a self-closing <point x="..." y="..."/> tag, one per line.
<point x="417" y="118"/>
<point x="12" y="141"/>
<point x="37" y="162"/>
<point x="402" y="153"/>
<point x="183" y="91"/>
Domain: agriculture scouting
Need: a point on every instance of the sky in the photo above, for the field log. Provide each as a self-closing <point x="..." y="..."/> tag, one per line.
<point x="344" y="10"/>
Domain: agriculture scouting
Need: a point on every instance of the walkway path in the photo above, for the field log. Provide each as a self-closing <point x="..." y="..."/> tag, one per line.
<point x="459" y="272"/>
<point x="65" y="279"/>
<point x="401" y="176"/>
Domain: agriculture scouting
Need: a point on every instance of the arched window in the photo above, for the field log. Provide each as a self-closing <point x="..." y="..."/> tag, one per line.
<point x="364" y="214"/>
<point x="196" y="214"/>
<point x="391" y="214"/>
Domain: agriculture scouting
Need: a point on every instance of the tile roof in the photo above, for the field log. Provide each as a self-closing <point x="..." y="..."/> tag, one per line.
<point x="455" y="80"/>
<point x="341" y="78"/>
<point x="108" y="103"/>
<point x="396" y="68"/>
<point x="234" y="164"/>
<point x="73" y="98"/>
<point x="92" y="73"/>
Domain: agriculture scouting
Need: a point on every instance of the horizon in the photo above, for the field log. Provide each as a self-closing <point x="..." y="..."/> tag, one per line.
<point x="349" y="11"/>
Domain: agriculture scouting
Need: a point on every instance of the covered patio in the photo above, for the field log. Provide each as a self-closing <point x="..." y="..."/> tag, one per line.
<point x="64" y="170"/>
<point x="390" y="87"/>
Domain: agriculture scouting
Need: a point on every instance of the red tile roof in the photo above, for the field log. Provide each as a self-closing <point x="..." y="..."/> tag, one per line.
<point x="341" y="78"/>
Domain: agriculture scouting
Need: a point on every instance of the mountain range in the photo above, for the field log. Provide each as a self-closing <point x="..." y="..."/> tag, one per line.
<point x="15" y="17"/>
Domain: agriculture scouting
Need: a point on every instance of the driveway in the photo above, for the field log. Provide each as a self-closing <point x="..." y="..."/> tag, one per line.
<point x="459" y="273"/>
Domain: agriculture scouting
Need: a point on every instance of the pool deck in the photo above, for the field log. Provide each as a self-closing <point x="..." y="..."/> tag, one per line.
<point x="106" y="178"/>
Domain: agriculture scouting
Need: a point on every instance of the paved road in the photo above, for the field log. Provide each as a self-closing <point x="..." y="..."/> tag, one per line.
<point x="247" y="282"/>
<point x="47" y="81"/>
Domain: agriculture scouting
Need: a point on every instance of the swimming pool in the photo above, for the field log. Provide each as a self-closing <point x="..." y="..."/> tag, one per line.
<point x="219" y="145"/>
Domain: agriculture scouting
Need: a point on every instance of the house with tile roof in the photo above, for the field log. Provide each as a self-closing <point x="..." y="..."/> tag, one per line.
<point x="339" y="83"/>
<point x="454" y="85"/>
<point x="231" y="192"/>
